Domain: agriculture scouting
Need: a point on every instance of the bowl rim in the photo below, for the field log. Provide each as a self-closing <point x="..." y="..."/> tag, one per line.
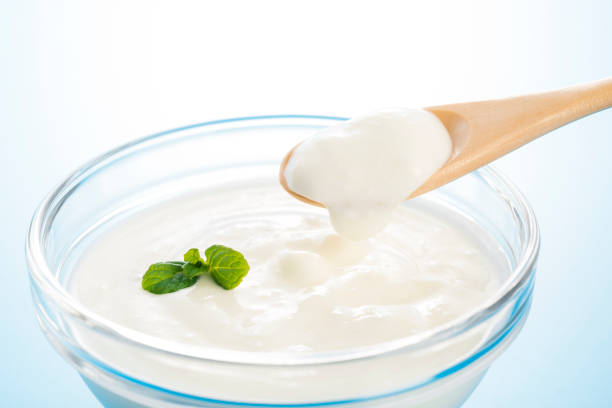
<point x="45" y="280"/>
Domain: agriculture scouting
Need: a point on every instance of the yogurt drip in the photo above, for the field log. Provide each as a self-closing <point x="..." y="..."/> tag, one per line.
<point x="362" y="169"/>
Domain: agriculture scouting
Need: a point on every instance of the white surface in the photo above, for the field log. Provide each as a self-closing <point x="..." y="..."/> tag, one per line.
<point x="362" y="169"/>
<point x="308" y="289"/>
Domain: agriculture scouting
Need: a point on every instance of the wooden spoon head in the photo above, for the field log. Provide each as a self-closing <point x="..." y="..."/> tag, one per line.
<point x="283" y="180"/>
<point x="456" y="126"/>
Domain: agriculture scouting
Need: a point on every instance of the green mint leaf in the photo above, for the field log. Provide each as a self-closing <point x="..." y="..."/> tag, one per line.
<point x="195" y="270"/>
<point x="227" y="266"/>
<point x="166" y="277"/>
<point x="193" y="257"/>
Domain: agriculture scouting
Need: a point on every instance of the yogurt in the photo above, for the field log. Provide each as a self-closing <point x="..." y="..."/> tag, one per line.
<point x="313" y="291"/>
<point x="362" y="169"/>
<point x="308" y="290"/>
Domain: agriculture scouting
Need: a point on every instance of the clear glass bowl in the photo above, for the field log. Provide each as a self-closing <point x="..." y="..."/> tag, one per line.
<point x="434" y="369"/>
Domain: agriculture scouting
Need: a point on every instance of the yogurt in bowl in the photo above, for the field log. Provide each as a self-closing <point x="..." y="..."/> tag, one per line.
<point x="409" y="318"/>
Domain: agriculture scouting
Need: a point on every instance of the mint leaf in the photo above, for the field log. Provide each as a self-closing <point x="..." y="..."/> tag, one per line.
<point x="193" y="257"/>
<point x="195" y="266"/>
<point x="227" y="266"/>
<point x="166" y="277"/>
<point x="195" y="270"/>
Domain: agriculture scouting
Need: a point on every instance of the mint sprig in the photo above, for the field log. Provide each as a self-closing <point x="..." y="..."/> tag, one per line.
<point x="226" y="266"/>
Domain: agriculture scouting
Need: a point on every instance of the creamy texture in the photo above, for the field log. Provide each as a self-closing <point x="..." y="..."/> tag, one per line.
<point x="308" y="289"/>
<point x="362" y="169"/>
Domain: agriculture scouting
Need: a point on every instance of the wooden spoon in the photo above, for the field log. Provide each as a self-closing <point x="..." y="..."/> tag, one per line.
<point x="486" y="130"/>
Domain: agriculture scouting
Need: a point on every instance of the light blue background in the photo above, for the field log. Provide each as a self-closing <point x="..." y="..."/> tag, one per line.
<point x="77" y="78"/>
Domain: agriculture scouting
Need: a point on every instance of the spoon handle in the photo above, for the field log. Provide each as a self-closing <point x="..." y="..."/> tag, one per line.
<point x="486" y="130"/>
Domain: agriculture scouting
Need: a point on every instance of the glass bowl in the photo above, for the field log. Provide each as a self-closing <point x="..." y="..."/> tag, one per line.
<point x="123" y="368"/>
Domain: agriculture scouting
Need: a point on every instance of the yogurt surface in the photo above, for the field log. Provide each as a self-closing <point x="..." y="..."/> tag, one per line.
<point x="308" y="289"/>
<point x="362" y="169"/>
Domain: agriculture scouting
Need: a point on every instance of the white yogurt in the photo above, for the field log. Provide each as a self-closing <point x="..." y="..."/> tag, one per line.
<point x="362" y="169"/>
<point x="308" y="289"/>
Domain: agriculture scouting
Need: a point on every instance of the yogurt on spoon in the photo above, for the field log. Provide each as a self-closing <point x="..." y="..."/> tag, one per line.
<point x="362" y="169"/>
